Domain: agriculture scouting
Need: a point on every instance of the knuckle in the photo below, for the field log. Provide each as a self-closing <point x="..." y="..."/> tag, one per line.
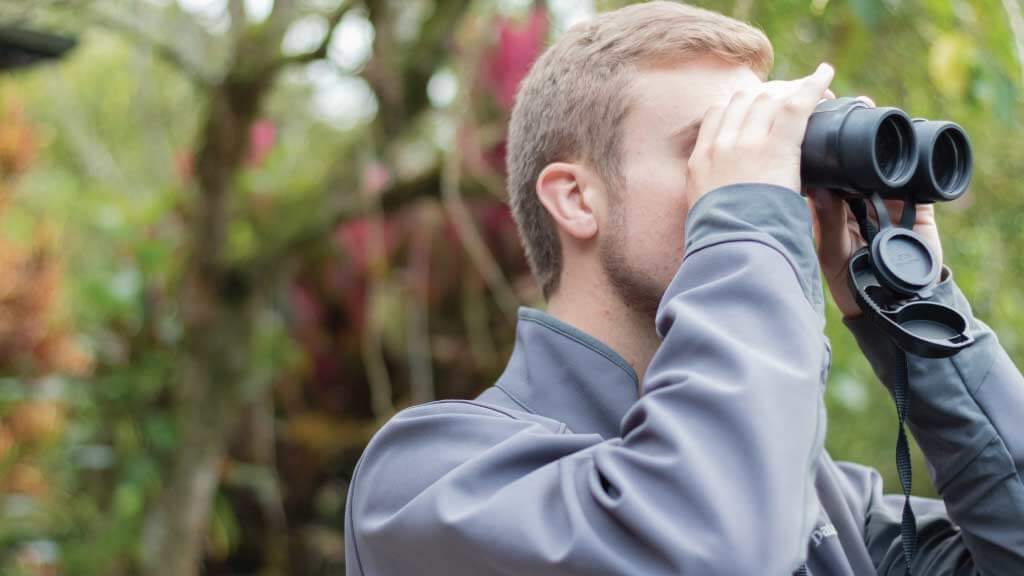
<point x="747" y="144"/>
<point x="740" y="96"/>
<point x="793" y="105"/>
<point x="722" y="143"/>
<point x="714" y="110"/>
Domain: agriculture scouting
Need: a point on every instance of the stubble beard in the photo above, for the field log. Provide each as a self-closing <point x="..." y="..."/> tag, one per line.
<point x="638" y="291"/>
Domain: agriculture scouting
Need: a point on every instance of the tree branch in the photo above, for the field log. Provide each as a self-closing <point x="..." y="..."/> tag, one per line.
<point x="333" y="19"/>
<point x="338" y="206"/>
<point x="164" y="50"/>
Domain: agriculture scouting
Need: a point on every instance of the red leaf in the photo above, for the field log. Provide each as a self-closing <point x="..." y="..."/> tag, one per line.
<point x="517" y="47"/>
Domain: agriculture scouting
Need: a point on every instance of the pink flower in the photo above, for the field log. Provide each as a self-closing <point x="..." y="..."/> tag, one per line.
<point x="262" y="135"/>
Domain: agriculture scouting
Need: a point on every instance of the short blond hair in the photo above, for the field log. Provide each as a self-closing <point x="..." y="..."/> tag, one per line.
<point x="571" y="105"/>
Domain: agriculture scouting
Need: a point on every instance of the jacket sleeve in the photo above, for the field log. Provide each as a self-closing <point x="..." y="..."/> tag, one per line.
<point x="967" y="415"/>
<point x="714" y="470"/>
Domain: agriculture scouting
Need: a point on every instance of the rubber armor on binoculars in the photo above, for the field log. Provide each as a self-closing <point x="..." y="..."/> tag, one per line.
<point x="869" y="154"/>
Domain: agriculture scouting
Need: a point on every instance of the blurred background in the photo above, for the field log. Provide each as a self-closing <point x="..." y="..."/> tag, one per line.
<point x="236" y="236"/>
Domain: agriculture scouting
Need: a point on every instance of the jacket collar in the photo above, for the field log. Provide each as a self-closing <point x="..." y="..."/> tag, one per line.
<point x="559" y="372"/>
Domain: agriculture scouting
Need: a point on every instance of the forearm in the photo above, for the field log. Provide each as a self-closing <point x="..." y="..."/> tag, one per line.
<point x="967" y="414"/>
<point x="744" y="359"/>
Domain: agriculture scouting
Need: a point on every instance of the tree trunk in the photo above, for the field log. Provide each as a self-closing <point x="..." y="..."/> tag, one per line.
<point x="218" y="301"/>
<point x="217" y="305"/>
<point x="175" y="530"/>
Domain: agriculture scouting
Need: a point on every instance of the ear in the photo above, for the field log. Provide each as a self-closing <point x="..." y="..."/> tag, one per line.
<point x="571" y="194"/>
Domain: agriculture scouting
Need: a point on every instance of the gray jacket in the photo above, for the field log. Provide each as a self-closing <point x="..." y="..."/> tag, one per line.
<point x="718" y="466"/>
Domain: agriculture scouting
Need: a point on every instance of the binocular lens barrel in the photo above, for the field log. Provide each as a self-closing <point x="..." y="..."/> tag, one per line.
<point x="892" y="149"/>
<point x="945" y="165"/>
<point x="851" y="147"/>
<point x="858" y="149"/>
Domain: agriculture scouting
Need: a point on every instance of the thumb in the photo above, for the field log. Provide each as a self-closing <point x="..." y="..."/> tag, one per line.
<point x="829" y="222"/>
<point x="828" y="209"/>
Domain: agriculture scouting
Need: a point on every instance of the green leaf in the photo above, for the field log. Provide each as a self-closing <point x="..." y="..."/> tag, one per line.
<point x="867" y="11"/>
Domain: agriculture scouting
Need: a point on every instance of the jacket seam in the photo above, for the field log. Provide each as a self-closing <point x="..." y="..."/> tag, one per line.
<point x="989" y="433"/>
<point x="588" y="345"/>
<point x="474" y="403"/>
<point x="988" y="419"/>
<point x="992" y="441"/>
<point x="513" y="398"/>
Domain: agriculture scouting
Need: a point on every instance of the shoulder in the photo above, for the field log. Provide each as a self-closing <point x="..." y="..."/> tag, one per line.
<point x="438" y="420"/>
<point x="435" y="438"/>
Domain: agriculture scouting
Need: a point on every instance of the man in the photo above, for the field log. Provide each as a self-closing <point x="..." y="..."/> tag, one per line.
<point x="665" y="415"/>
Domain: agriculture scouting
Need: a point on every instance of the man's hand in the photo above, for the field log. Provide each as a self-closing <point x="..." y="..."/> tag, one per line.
<point x="756" y="137"/>
<point x="838" y="237"/>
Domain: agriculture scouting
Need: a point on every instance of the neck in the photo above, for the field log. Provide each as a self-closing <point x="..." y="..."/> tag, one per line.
<point x="598" y="312"/>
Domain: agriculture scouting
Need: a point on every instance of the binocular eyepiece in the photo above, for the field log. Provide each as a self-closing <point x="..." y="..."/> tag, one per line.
<point x="851" y="147"/>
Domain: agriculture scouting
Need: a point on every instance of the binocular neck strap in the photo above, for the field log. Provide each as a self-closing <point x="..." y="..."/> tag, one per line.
<point x="868" y="229"/>
<point x="901" y="393"/>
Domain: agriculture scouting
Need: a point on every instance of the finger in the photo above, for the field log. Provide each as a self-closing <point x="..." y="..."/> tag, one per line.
<point x="708" y="129"/>
<point x="765" y="108"/>
<point x="895" y="209"/>
<point x="823" y="222"/>
<point x="925" y="214"/>
<point x="792" y="120"/>
<point x="867" y="100"/>
<point x="815" y="223"/>
<point x="830" y="210"/>
<point x="922" y="212"/>
<point x="735" y="116"/>
<point x="816" y="84"/>
<point x="832" y="218"/>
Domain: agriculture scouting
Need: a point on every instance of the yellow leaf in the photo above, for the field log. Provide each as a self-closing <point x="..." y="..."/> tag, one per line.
<point x="949" y="64"/>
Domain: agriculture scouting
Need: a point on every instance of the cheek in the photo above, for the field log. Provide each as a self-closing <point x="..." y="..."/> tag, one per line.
<point x="652" y="234"/>
<point x="655" y="214"/>
<point x="658" y="206"/>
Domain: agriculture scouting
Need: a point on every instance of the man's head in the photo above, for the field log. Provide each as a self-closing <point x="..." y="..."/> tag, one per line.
<point x="600" y="135"/>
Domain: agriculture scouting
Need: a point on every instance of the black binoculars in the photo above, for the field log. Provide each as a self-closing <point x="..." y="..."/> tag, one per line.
<point x="870" y="154"/>
<point x="856" y="149"/>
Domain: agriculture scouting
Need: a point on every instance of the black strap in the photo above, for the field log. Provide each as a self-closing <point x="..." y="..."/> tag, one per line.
<point x="908" y="528"/>
<point x="867" y="227"/>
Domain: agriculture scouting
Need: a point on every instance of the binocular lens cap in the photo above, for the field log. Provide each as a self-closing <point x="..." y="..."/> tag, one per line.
<point x="903" y="261"/>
